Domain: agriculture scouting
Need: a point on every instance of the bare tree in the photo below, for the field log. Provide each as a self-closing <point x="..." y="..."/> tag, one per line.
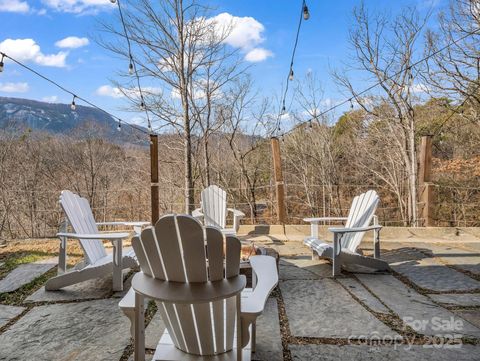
<point x="175" y="46"/>
<point x="384" y="50"/>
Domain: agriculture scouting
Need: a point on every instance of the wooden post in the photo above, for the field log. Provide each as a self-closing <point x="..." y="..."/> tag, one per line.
<point x="279" y="185"/>
<point x="426" y="194"/>
<point x="154" y="177"/>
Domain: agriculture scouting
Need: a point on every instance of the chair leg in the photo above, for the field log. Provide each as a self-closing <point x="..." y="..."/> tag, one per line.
<point x="62" y="256"/>
<point x="336" y="266"/>
<point x="117" y="265"/>
<point x="139" y="338"/>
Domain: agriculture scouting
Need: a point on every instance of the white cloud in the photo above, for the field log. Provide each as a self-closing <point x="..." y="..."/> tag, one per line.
<point x="245" y="33"/>
<point x="115" y="92"/>
<point x="28" y="50"/>
<point x="79" y="6"/>
<point x="258" y="54"/>
<point x="14" y="87"/>
<point x="14" y="6"/>
<point x="72" y="42"/>
<point x="109" y="91"/>
<point x="50" y="99"/>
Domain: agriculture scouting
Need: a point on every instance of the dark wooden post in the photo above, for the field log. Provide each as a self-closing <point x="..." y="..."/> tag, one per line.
<point x="426" y="188"/>
<point x="279" y="185"/>
<point x="154" y="177"/>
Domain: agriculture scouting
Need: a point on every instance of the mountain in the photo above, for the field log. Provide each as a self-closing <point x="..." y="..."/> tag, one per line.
<point x="17" y="113"/>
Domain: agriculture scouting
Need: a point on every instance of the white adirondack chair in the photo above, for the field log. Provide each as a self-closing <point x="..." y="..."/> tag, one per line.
<point x="98" y="262"/>
<point x="198" y="292"/>
<point x="213" y="210"/>
<point x="343" y="251"/>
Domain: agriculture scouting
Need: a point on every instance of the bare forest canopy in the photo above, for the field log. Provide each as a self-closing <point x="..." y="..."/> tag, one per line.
<point x="216" y="127"/>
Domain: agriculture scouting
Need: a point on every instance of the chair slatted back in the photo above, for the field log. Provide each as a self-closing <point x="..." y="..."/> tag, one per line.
<point x="361" y="214"/>
<point x="80" y="217"/>
<point x="214" y="206"/>
<point x="177" y="249"/>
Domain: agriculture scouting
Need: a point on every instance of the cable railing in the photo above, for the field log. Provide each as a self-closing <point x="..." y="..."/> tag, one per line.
<point x="36" y="214"/>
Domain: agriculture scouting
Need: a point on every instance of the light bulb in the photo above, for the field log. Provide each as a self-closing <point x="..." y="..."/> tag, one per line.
<point x="119" y="128"/>
<point x="351" y="104"/>
<point x="1" y="66"/>
<point x="130" y="69"/>
<point x="306" y="14"/>
<point x="290" y="77"/>
<point x="283" y="109"/>
<point x="142" y="105"/>
<point x="73" y="106"/>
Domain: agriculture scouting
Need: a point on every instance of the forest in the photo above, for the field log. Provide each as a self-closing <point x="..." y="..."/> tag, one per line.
<point x="218" y="130"/>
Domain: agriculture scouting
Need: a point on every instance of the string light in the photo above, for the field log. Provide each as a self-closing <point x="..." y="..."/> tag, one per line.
<point x="306" y="13"/>
<point x="130" y="68"/>
<point x="351" y="104"/>
<point x="119" y="128"/>
<point x="453" y="42"/>
<point x="73" y="105"/>
<point x="1" y="63"/>
<point x="290" y="77"/>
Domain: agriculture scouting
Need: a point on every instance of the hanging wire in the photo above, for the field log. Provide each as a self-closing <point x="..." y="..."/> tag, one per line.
<point x="303" y="16"/>
<point x="132" y="67"/>
<point x="74" y="95"/>
<point x="355" y="97"/>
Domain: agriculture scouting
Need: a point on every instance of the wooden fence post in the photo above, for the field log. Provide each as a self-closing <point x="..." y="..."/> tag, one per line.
<point x="426" y="187"/>
<point x="154" y="177"/>
<point x="279" y="185"/>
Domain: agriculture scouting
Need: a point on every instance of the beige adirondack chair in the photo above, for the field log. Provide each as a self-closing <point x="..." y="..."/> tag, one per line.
<point x="198" y="292"/>
<point x="213" y="210"/>
<point x="343" y="251"/>
<point x="98" y="262"/>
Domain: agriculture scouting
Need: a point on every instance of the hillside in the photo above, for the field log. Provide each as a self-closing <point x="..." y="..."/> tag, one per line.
<point x="17" y="113"/>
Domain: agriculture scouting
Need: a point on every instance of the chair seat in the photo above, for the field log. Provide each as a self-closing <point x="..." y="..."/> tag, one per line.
<point x="128" y="257"/>
<point x="322" y="248"/>
<point x="229" y="232"/>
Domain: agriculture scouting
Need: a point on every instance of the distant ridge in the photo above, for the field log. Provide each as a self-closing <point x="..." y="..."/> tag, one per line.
<point x="18" y="113"/>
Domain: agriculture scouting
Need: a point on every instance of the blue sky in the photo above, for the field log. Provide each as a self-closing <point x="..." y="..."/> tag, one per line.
<point x="56" y="37"/>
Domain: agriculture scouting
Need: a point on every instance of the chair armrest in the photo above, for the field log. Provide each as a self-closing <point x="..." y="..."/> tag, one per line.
<point x="130" y="224"/>
<point x="265" y="267"/>
<point x="325" y="219"/>
<point x="236" y="212"/>
<point x="197" y="213"/>
<point x="355" y="229"/>
<point x="108" y="236"/>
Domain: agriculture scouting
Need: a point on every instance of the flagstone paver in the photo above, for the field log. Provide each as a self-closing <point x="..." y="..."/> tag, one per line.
<point x="154" y="331"/>
<point x="472" y="316"/>
<point x="460" y="258"/>
<point x="92" y="289"/>
<point x="321" y="268"/>
<point x="363" y="295"/>
<point x="25" y="273"/>
<point x="87" y="331"/>
<point x="295" y="273"/>
<point x="416" y="310"/>
<point x="431" y="274"/>
<point x="382" y="353"/>
<point x="9" y="312"/>
<point x="452" y="299"/>
<point x="323" y="308"/>
<point x="269" y="339"/>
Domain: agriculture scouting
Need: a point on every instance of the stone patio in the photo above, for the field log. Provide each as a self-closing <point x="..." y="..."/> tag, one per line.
<point x="433" y="291"/>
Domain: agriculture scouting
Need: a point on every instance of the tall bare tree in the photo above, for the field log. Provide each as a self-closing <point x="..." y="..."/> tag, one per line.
<point x="384" y="50"/>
